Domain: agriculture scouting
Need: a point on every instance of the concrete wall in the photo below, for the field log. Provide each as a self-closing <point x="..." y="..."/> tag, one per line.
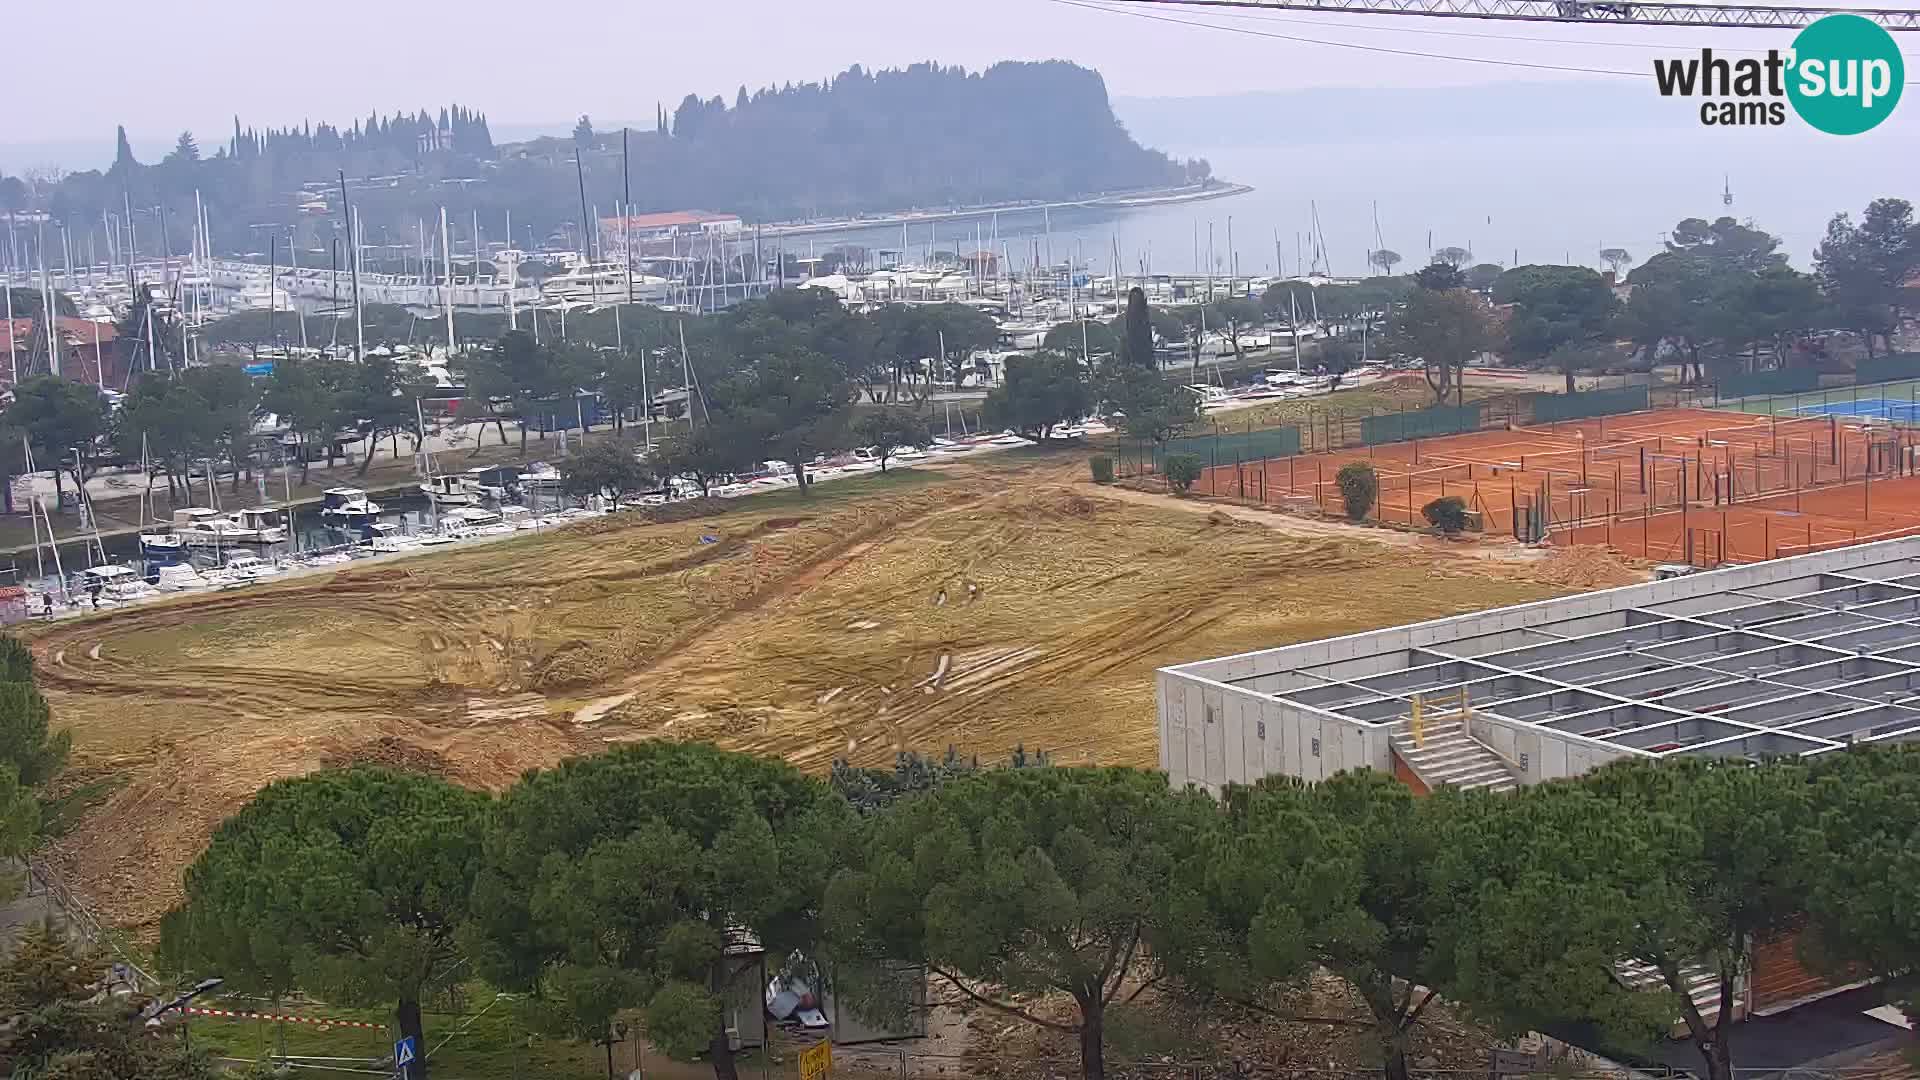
<point x="1219" y="725"/>
<point x="1213" y="734"/>
<point x="1540" y="753"/>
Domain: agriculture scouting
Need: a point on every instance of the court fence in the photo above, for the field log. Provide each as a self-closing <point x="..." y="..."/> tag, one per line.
<point x="1879" y="369"/>
<point x="1766" y="391"/>
<point x="1552" y="408"/>
<point x="1224" y="440"/>
<point x="1778" y="381"/>
<point x="1867" y="401"/>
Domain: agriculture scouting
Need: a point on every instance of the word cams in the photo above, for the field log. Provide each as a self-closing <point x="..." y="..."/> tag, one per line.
<point x="1753" y="91"/>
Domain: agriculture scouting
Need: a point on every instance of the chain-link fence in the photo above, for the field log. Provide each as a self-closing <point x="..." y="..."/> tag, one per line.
<point x="908" y="1062"/>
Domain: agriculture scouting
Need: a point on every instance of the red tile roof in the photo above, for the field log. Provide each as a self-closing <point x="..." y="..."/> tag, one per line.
<point x="669" y="219"/>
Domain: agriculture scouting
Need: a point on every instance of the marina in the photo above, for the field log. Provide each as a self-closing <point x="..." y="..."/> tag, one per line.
<point x="204" y="548"/>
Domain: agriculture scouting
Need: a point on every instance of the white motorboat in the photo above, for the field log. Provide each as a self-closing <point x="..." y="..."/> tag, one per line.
<point x="116" y="582"/>
<point x="519" y="517"/>
<point x="495" y="482"/>
<point x="540" y="476"/>
<point x="385" y="537"/>
<point x="203" y="527"/>
<point x="450" y="491"/>
<point x="179" y="577"/>
<point x="348" y="506"/>
<point x="242" y="569"/>
<point x="162" y="540"/>
<point x="471" y="521"/>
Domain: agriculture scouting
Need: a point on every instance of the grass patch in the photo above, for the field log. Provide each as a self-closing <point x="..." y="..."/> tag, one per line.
<point x="61" y="812"/>
<point x="482" y="1043"/>
<point x="1360" y="402"/>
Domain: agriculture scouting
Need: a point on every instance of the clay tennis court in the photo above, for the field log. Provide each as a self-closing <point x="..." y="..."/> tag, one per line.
<point x="1681" y="485"/>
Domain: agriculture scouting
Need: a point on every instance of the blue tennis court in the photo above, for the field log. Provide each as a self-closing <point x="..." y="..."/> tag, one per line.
<point x="1902" y="412"/>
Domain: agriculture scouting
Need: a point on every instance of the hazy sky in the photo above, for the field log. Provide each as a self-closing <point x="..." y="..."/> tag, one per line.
<point x="164" y="69"/>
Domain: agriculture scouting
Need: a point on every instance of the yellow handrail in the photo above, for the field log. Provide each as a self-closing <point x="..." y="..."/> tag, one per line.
<point x="1461" y="708"/>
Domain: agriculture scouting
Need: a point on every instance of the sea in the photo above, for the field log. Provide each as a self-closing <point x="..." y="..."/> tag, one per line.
<point x="1514" y="173"/>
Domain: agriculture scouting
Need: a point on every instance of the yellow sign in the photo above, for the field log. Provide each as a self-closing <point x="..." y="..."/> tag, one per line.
<point x="816" y="1061"/>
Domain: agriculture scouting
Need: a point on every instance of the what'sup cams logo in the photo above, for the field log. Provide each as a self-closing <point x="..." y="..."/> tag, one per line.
<point x="1843" y="76"/>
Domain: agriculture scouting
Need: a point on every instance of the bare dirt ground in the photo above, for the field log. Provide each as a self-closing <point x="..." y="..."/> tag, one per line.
<point x="990" y="605"/>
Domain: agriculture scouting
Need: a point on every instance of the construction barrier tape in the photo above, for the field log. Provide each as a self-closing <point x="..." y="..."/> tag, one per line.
<point x="316" y="1021"/>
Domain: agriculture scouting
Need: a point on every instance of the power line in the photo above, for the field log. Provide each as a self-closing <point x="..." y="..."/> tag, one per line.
<point x="1271" y="16"/>
<point x="1277" y="16"/>
<point x="1092" y="6"/>
<point x="1612" y="12"/>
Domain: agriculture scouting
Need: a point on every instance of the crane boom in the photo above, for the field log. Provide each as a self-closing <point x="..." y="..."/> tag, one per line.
<point x="1619" y="12"/>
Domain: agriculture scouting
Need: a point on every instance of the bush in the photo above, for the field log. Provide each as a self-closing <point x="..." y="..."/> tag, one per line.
<point x="1102" y="468"/>
<point x="1182" y="471"/>
<point x="1449" y="515"/>
<point x="1359" y="486"/>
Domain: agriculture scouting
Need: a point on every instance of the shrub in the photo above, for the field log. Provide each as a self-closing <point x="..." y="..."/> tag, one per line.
<point x="1359" y="486"/>
<point x="1102" y="468"/>
<point x="1449" y="515"/>
<point x="1182" y="471"/>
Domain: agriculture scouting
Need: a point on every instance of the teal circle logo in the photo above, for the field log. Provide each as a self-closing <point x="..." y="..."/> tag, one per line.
<point x="1846" y="74"/>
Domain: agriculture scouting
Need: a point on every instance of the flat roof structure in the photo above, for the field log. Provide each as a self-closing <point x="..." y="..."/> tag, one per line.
<point x="1792" y="656"/>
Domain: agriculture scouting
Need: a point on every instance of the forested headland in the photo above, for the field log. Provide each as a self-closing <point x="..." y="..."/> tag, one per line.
<point x="860" y="141"/>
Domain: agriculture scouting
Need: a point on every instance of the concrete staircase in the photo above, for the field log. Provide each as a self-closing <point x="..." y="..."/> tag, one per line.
<point x="1702" y="986"/>
<point x="1446" y="756"/>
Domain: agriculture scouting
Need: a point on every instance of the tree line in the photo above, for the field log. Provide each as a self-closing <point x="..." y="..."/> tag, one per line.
<point x="639" y="883"/>
<point x="1719" y="298"/>
<point x="777" y="378"/>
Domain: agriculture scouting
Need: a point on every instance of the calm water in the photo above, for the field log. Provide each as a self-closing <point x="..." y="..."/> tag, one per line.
<point x="1551" y="174"/>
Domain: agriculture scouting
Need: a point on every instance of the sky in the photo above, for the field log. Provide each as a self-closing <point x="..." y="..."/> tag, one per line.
<point x="275" y="64"/>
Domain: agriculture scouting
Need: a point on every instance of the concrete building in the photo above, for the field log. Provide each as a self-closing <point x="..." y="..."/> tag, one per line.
<point x="1793" y="656"/>
<point x="646" y="228"/>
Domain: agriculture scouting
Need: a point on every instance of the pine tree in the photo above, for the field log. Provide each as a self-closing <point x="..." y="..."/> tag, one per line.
<point x="123" y="152"/>
<point x="185" y="150"/>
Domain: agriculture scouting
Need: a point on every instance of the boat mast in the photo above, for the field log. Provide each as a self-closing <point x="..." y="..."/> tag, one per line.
<point x="47" y="323"/>
<point x="1293" y="323"/>
<point x="353" y="268"/>
<point x="446" y="284"/>
<point x="513" y="276"/>
<point x="13" y="357"/>
<point x="153" y="355"/>
<point x="54" y="543"/>
<point x="273" y="280"/>
<point x="133" y="239"/>
<point x="686" y="374"/>
<point x="293" y="263"/>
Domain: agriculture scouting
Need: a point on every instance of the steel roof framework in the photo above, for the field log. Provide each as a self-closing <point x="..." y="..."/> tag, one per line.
<point x="1805" y="665"/>
<point x="1752" y="16"/>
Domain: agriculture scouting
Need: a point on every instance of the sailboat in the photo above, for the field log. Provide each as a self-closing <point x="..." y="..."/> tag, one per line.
<point x="158" y="540"/>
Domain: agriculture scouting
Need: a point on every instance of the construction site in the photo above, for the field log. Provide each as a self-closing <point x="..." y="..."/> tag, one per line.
<point x="983" y="606"/>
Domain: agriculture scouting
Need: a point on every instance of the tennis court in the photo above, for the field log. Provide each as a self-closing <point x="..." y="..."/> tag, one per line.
<point x="1893" y="410"/>
<point x="1696" y="485"/>
<point x="1898" y="392"/>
